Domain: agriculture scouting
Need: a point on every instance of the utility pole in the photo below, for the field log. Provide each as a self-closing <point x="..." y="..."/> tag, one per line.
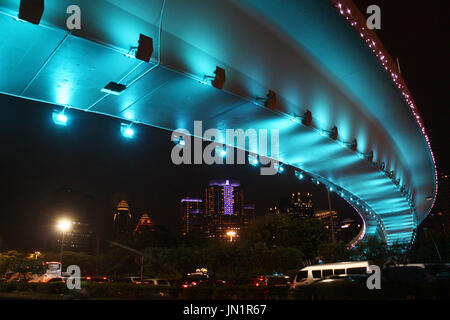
<point x="62" y="248"/>
<point x="398" y="66"/>
<point x="134" y="251"/>
<point x="435" y="245"/>
<point x="331" y="216"/>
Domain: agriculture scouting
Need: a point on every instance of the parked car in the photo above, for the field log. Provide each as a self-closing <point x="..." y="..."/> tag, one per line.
<point x="271" y="281"/>
<point x="98" y="279"/>
<point x="201" y="281"/>
<point x="313" y="273"/>
<point x="257" y="281"/>
<point x="279" y="281"/>
<point x="355" y="279"/>
<point x="135" y="280"/>
<point x="157" y="282"/>
<point x="405" y="275"/>
<point x="443" y="274"/>
<point x="56" y="280"/>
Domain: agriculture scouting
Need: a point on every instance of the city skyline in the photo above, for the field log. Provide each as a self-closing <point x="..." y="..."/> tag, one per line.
<point x="203" y="219"/>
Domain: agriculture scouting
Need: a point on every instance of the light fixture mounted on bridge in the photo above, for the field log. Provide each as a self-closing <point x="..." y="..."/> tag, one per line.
<point x="279" y="167"/>
<point x="221" y="151"/>
<point x="270" y="101"/>
<point x="145" y="49"/>
<point x="306" y="118"/>
<point x="127" y="130"/>
<point x="403" y="190"/>
<point x="59" y="117"/>
<point x="179" y="140"/>
<point x="369" y="156"/>
<point x="353" y="145"/>
<point x="114" y="88"/>
<point x="253" y="159"/>
<point x="299" y="174"/>
<point x="333" y="133"/>
<point x="219" y="78"/>
<point x="31" y="10"/>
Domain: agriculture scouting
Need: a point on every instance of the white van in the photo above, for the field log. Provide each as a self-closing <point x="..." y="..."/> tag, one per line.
<point x="54" y="270"/>
<point x="316" y="272"/>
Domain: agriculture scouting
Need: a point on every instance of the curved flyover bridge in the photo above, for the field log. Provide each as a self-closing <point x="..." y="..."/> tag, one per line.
<point x="311" y="55"/>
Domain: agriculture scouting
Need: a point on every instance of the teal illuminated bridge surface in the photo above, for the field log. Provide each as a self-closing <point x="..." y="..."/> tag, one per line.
<point x="316" y="55"/>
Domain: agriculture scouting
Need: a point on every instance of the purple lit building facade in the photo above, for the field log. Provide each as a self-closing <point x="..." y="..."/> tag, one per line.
<point x="220" y="214"/>
<point x="224" y="209"/>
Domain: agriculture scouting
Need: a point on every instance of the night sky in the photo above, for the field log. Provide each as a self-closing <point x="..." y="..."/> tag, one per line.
<point x="84" y="169"/>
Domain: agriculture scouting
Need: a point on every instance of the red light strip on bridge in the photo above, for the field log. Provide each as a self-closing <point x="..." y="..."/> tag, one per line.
<point x="351" y="13"/>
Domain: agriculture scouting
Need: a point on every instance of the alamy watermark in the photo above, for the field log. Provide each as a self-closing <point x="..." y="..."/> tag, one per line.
<point x="374" y="280"/>
<point x="374" y="20"/>
<point x="73" y="22"/>
<point x="73" y="281"/>
<point x="217" y="151"/>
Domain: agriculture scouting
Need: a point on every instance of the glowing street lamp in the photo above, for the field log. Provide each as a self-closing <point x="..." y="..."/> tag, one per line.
<point x="63" y="226"/>
<point x="231" y="234"/>
<point x="36" y="255"/>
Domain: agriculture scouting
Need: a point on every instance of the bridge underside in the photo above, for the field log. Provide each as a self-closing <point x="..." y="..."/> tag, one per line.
<point x="50" y="65"/>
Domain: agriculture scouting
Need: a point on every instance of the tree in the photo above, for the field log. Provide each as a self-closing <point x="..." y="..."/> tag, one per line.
<point x="155" y="236"/>
<point x="7" y="257"/>
<point x="333" y="252"/>
<point x="431" y="247"/>
<point x="373" y="249"/>
<point x="25" y="267"/>
<point x="306" y="234"/>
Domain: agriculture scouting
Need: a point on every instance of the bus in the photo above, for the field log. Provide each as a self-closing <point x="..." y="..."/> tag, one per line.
<point x="54" y="270"/>
<point x="316" y="272"/>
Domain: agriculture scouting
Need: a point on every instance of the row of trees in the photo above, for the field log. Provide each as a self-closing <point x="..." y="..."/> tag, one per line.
<point x="273" y="243"/>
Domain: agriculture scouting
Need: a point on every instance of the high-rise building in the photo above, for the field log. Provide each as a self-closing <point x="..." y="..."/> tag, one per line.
<point x="122" y="220"/>
<point x="79" y="238"/>
<point x="249" y="214"/>
<point x="345" y="229"/>
<point x="224" y="198"/>
<point x="223" y="209"/>
<point x="192" y="213"/>
<point x="298" y="205"/>
<point x="324" y="216"/>
<point x="144" y="224"/>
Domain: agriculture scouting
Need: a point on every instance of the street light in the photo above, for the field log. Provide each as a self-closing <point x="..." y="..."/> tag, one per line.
<point x="63" y="226"/>
<point x="231" y="234"/>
